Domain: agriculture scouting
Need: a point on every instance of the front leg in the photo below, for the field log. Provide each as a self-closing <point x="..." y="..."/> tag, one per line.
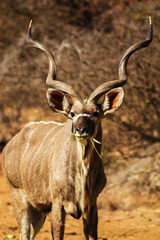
<point x="57" y="220"/>
<point x="90" y="223"/>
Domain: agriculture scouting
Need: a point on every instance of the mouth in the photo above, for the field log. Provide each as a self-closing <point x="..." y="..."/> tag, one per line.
<point x="85" y="138"/>
<point x="81" y="137"/>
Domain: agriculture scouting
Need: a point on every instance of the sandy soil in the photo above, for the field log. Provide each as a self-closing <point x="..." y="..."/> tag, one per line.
<point x="138" y="224"/>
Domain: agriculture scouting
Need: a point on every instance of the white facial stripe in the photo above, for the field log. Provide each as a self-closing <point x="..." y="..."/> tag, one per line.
<point x="82" y="115"/>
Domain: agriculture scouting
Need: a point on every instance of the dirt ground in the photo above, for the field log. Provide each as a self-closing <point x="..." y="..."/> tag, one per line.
<point x="138" y="224"/>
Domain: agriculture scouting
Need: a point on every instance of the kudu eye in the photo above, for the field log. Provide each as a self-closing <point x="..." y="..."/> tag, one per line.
<point x="95" y="114"/>
<point x="72" y="114"/>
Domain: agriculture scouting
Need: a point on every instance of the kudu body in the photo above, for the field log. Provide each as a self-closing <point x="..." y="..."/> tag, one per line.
<point x="53" y="167"/>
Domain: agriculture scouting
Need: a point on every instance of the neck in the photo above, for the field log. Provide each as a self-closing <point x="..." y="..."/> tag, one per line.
<point x="89" y="161"/>
<point x="85" y="152"/>
<point x="90" y="148"/>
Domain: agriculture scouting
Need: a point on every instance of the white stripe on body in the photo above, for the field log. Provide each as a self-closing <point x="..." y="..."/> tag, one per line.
<point x="44" y="139"/>
<point x="27" y="146"/>
<point x="43" y="122"/>
<point x="36" y="123"/>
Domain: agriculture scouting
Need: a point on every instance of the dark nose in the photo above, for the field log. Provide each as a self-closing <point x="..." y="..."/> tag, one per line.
<point x="82" y="130"/>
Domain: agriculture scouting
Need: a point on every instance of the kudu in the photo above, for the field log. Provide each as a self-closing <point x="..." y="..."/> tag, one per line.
<point x="57" y="168"/>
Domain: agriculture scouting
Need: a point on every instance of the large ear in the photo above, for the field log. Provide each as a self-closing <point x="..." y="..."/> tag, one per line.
<point x="58" y="101"/>
<point x="112" y="100"/>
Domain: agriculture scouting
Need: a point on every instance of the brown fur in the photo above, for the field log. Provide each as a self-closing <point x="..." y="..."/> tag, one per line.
<point x="43" y="165"/>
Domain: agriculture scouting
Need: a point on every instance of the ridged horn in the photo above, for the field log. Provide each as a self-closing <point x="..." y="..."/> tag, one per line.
<point x="50" y="80"/>
<point x="104" y="88"/>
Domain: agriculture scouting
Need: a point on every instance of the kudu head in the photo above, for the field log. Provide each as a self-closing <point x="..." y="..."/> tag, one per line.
<point x="106" y="98"/>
